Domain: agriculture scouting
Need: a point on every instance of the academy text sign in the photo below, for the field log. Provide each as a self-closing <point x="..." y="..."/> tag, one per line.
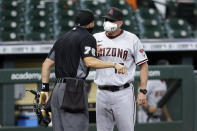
<point x="32" y="75"/>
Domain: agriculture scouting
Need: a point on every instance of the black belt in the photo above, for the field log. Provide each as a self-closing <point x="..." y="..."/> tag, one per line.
<point x="155" y="117"/>
<point x="150" y="115"/>
<point x="63" y="80"/>
<point x="114" y="88"/>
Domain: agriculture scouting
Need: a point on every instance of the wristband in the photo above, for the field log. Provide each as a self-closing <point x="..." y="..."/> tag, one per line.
<point x="45" y="87"/>
<point x="144" y="91"/>
<point x="114" y="66"/>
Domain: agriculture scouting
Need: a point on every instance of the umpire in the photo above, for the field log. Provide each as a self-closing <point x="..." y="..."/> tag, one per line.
<point x="73" y="55"/>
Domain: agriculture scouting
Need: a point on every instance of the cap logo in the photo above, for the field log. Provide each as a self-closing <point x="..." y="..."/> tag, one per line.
<point x="111" y="12"/>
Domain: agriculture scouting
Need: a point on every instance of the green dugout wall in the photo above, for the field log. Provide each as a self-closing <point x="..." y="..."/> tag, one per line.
<point x="183" y="73"/>
<point x="195" y="101"/>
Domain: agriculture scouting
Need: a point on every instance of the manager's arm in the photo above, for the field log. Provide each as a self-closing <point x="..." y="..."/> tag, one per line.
<point x="143" y="75"/>
<point x="143" y="82"/>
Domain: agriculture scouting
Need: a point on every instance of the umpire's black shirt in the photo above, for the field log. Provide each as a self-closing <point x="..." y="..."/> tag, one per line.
<point x="68" y="53"/>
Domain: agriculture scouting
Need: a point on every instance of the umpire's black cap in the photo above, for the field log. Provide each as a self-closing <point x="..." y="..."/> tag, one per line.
<point x="84" y="17"/>
<point x="114" y="14"/>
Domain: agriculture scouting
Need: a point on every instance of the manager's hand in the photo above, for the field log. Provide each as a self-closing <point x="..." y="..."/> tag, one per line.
<point x="141" y="99"/>
<point x="120" y="68"/>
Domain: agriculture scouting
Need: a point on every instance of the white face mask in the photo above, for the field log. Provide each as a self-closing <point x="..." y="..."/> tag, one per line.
<point x="109" y="26"/>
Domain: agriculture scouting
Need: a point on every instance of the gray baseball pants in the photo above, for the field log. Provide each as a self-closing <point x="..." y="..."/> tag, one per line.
<point x="65" y="121"/>
<point x="115" y="108"/>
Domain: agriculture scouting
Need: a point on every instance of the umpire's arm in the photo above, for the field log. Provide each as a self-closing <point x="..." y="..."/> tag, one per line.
<point x="46" y="66"/>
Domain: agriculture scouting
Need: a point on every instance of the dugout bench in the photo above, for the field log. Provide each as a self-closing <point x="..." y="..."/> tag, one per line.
<point x="188" y="120"/>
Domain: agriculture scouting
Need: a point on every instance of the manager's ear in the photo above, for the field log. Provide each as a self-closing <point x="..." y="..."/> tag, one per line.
<point x="120" y="23"/>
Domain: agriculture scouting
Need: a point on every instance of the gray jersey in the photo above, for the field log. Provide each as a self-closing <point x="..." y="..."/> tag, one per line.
<point x="156" y="90"/>
<point x="126" y="49"/>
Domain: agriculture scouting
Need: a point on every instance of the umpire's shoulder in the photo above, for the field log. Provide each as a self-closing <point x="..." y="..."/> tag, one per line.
<point x="89" y="37"/>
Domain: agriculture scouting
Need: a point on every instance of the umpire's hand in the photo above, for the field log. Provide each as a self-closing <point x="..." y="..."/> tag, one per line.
<point x="120" y="68"/>
<point x="141" y="98"/>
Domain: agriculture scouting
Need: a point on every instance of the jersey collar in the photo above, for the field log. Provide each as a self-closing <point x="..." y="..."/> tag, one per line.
<point x="112" y="37"/>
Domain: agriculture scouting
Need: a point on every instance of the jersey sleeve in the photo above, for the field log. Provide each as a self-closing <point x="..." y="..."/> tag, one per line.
<point x="88" y="47"/>
<point x="51" y="54"/>
<point x="139" y="53"/>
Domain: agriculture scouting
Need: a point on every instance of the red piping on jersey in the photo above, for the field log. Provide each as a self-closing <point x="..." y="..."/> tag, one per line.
<point x="141" y="62"/>
<point x="112" y="37"/>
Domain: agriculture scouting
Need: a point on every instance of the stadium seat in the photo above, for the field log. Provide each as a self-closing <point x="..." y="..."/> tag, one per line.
<point x="147" y="13"/>
<point x="49" y="6"/>
<point x="9" y="36"/>
<point x="96" y="6"/>
<point x="65" y="4"/>
<point x="154" y="34"/>
<point x="178" y="28"/>
<point x="151" y="28"/>
<point x="12" y="10"/>
<point x="67" y="13"/>
<point x="98" y="25"/>
<point x="9" y="4"/>
<point x="12" y="14"/>
<point x="37" y="36"/>
<point x="11" y="21"/>
<point x="21" y="8"/>
<point x="40" y="18"/>
<point x="65" y="25"/>
<point x="40" y="5"/>
<point x="21" y="28"/>
<point x="37" y="25"/>
<point x="34" y="4"/>
<point x="121" y="4"/>
<point x="9" y="15"/>
<point x="40" y="14"/>
<point x="195" y="34"/>
<point x="128" y="14"/>
<point x="150" y="25"/>
<point x="64" y="16"/>
<point x="40" y="30"/>
<point x="175" y="23"/>
<point x="178" y="34"/>
<point x="131" y="26"/>
<point x="8" y="26"/>
<point x="13" y="27"/>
